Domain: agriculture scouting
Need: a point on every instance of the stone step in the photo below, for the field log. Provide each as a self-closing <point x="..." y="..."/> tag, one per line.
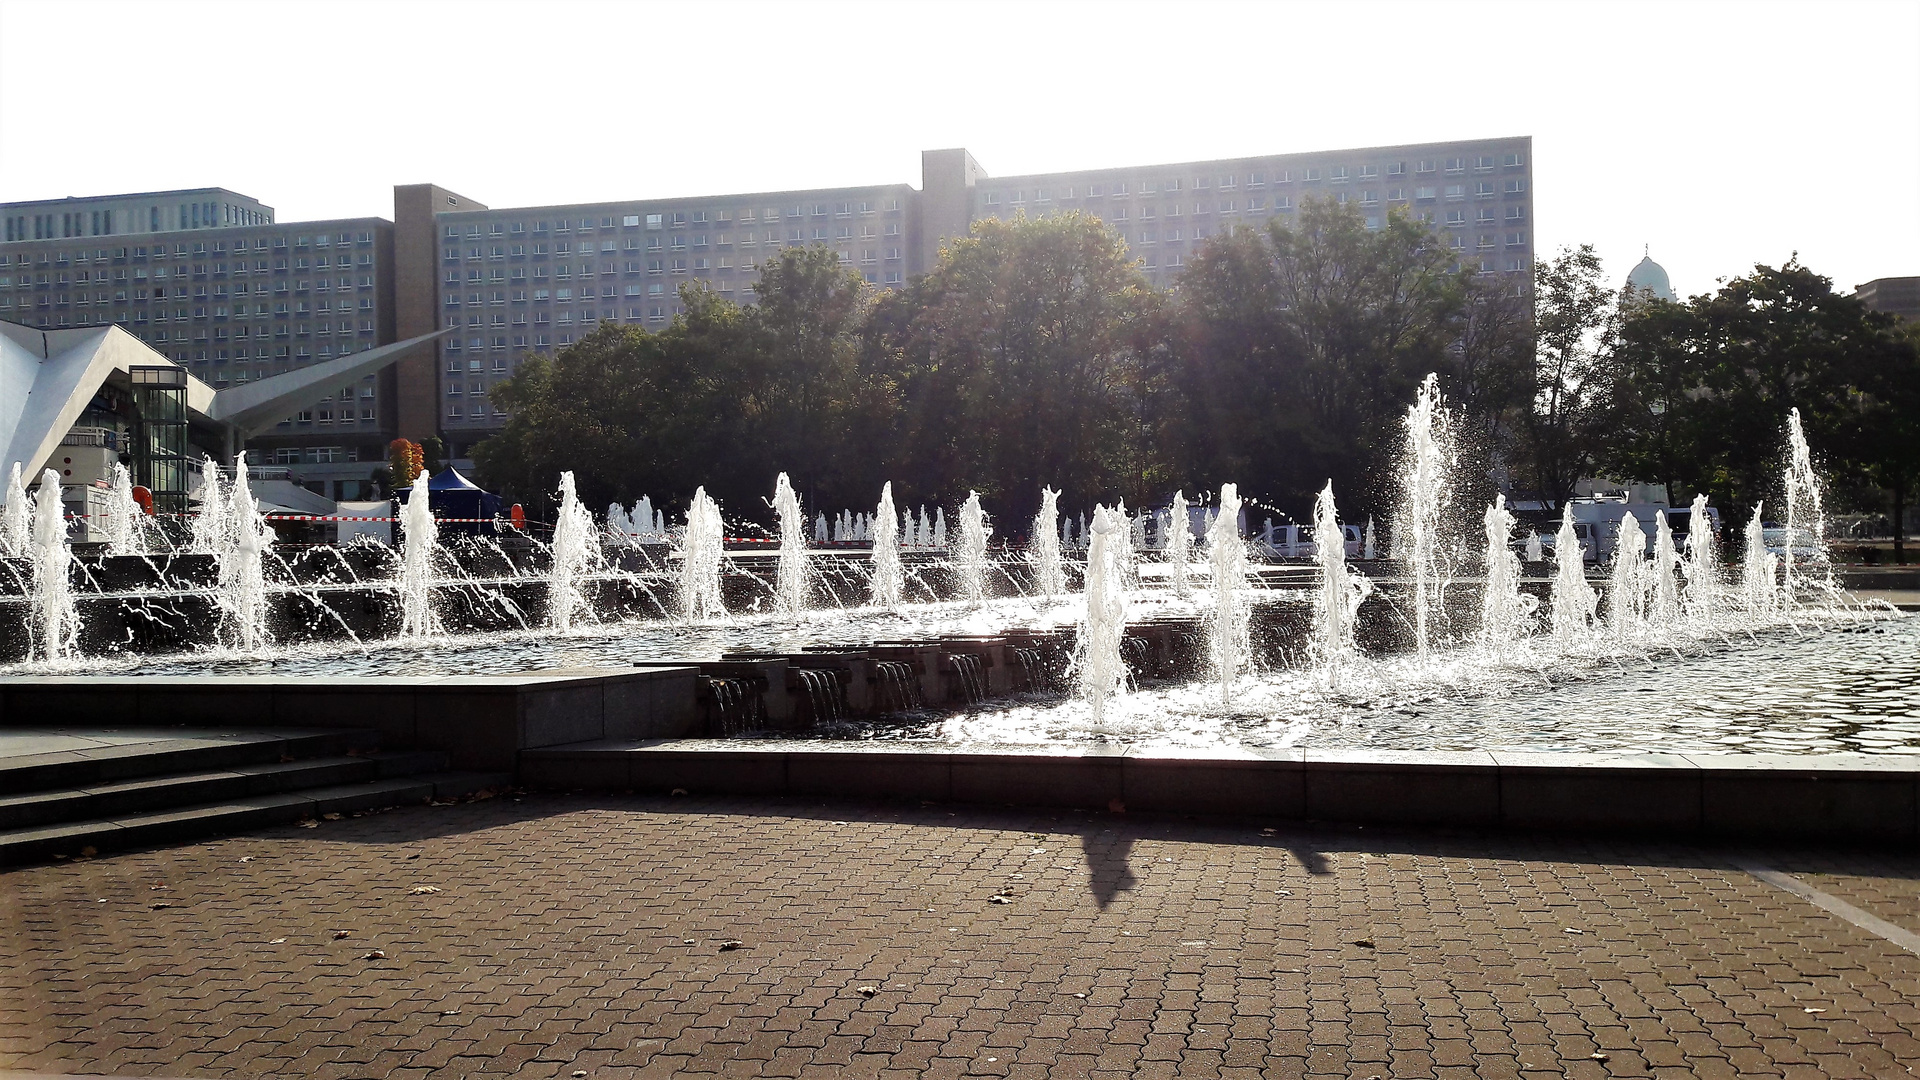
<point x="150" y="793"/>
<point x="176" y="751"/>
<point x="234" y="815"/>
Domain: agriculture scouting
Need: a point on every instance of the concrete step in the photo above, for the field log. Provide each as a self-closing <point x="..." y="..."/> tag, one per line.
<point x="235" y="815"/>
<point x="175" y="751"/>
<point x="103" y="801"/>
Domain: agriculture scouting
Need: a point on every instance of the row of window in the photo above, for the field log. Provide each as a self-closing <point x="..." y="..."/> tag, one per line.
<point x="198" y="249"/>
<point x="1336" y="174"/>
<point x="565" y="249"/>
<point x="678" y="219"/>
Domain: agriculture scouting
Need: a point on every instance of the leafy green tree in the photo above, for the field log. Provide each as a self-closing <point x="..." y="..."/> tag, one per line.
<point x="1574" y="318"/>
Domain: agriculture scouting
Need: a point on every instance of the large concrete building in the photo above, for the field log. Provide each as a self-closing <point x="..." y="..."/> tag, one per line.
<point x="505" y="284"/>
<point x="1896" y="296"/>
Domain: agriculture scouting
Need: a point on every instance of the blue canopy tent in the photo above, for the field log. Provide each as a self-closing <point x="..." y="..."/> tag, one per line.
<point x="452" y="496"/>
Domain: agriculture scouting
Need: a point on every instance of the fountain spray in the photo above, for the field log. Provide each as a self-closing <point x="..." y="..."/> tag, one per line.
<point x="1627" y="594"/>
<point x="418" y="541"/>
<point x="1663" y="609"/>
<point x="1103" y="674"/>
<point x="1230" y="642"/>
<point x="1125" y="558"/>
<point x="210" y="532"/>
<point x="1702" y="597"/>
<point x="124" y="517"/>
<point x="1426" y="481"/>
<point x="1048" y="578"/>
<point x="16" y="518"/>
<point x="1505" y="611"/>
<point x="1336" y="607"/>
<point x="54" y="631"/>
<point x="1574" y="600"/>
<point x="1179" y="542"/>
<point x="1758" y="570"/>
<point x="887" y="575"/>
<point x="700" y="553"/>
<point x="1806" y="513"/>
<point x="573" y="555"/>
<point x="242" y="556"/>
<point x="790" y="580"/>
<point x="971" y="560"/>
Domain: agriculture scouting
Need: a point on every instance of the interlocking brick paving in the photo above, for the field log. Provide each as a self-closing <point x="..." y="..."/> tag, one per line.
<point x="577" y="934"/>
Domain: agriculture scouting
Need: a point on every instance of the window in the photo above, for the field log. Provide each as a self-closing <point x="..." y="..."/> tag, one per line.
<point x="1423" y="166"/>
<point x="1515" y="186"/>
<point x="1483" y="190"/>
<point x="1512" y="161"/>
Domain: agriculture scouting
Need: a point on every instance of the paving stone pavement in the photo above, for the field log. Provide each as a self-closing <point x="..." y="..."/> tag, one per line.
<point x="574" y="935"/>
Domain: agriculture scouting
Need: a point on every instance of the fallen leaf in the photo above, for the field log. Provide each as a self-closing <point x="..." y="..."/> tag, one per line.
<point x="413" y="856"/>
<point x="330" y="817"/>
<point x="338" y="934"/>
<point x="996" y="898"/>
<point x="730" y="944"/>
<point x="278" y="941"/>
<point x="309" y="823"/>
<point x="1365" y="943"/>
<point x="158" y="906"/>
<point x="869" y="990"/>
<point x="449" y="1012"/>
<point x="88" y="852"/>
<point x="375" y="955"/>
<point x="1571" y="930"/>
<point x="578" y="1073"/>
<point x="246" y="858"/>
<point x="1080" y="995"/>
<point x="1038" y="851"/>
<point x="1813" y="1010"/>
<point x="1598" y="1056"/>
<point x="422" y="890"/>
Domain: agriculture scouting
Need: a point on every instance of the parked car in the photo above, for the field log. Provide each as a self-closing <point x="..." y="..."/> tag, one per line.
<point x="1584" y="530"/>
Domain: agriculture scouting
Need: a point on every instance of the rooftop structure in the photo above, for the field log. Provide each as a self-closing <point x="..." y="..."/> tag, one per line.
<point x="137" y="214"/>
<point x="1897" y="296"/>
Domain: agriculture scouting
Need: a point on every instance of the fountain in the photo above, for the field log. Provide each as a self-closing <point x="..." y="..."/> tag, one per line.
<point x="210" y="527"/>
<point x="1102" y="672"/>
<point x="701" y="551"/>
<point x="1806" y="512"/>
<point x="970" y="562"/>
<point x="16" y="518"/>
<point x="1759" y="570"/>
<point x="887" y="575"/>
<point x="1574" y="601"/>
<point x="125" y="520"/>
<point x="55" y="624"/>
<point x="574" y="554"/>
<point x="1506" y="614"/>
<point x="1048" y="578"/>
<point x="1179" y="544"/>
<point x="1703" y="588"/>
<point x="241" y="554"/>
<point x="790" y="578"/>
<point x="1229" y="643"/>
<point x="1336" y="606"/>
<point x="1125" y="558"/>
<point x="1627" y="588"/>
<point x="1534" y="552"/>
<point x="1663" y="601"/>
<point x="419" y="538"/>
<point x="1426" y="485"/>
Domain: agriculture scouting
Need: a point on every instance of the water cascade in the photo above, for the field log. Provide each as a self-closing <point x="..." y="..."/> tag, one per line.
<point x="1627" y="592"/>
<point x="1336" y="607"/>
<point x="54" y="629"/>
<point x="1426" y="484"/>
<point x="242" y="558"/>
<point x="887" y="575"/>
<point x="1230" y="643"/>
<point x="1574" y="601"/>
<point x="419" y="539"/>
<point x="790" y="575"/>
<point x="970" y="562"/>
<point x="210" y="529"/>
<point x="1663" y="606"/>
<point x="1806" y="514"/>
<point x="1758" y="570"/>
<point x="1506" y="614"/>
<point x="700" y="553"/>
<point x="1179" y="543"/>
<point x="16" y="518"/>
<point x="1702" y="598"/>
<point x="1103" y="674"/>
<point x="1048" y="578"/>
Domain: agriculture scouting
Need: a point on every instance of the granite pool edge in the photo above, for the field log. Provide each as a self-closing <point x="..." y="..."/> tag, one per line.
<point x="1845" y="798"/>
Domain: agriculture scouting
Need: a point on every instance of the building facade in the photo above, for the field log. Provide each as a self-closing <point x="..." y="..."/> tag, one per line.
<point x="1896" y="296"/>
<point x="236" y="301"/>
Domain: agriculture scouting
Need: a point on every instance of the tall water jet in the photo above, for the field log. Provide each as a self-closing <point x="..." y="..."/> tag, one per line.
<point x="1534" y="552"/>
<point x="1426" y="486"/>
<point x="888" y="578"/>
<point x="1505" y="612"/>
<point x="940" y="526"/>
<point x="573" y="554"/>
<point x="1366" y="543"/>
<point x="54" y="628"/>
<point x="1230" y="642"/>
<point x="1627" y="591"/>
<point x="1702" y="596"/>
<point x="1179" y="543"/>
<point x="419" y="539"/>
<point x="16" y="518"/>
<point x="211" y="534"/>
<point x="970" y="561"/>
<point x="1663" y="600"/>
<point x="1806" y="514"/>
<point x="1102" y="672"/>
<point x="124" y="517"/>
<point x="1336" y="608"/>
<point x="701" y="549"/>
<point x="1758" y="570"/>
<point x="1048" y="578"/>
<point x="242" y="560"/>
<point x="1125" y="555"/>
<point x="790" y="574"/>
<point x="1574" y="601"/>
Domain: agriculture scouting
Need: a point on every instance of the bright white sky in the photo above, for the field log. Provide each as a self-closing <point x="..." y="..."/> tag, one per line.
<point x="1721" y="134"/>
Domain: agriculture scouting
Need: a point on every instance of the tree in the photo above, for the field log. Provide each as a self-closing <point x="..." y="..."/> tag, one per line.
<point x="1574" y="321"/>
<point x="1656" y="414"/>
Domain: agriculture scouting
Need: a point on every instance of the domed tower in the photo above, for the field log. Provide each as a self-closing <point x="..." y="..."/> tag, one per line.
<point x="1650" y="279"/>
